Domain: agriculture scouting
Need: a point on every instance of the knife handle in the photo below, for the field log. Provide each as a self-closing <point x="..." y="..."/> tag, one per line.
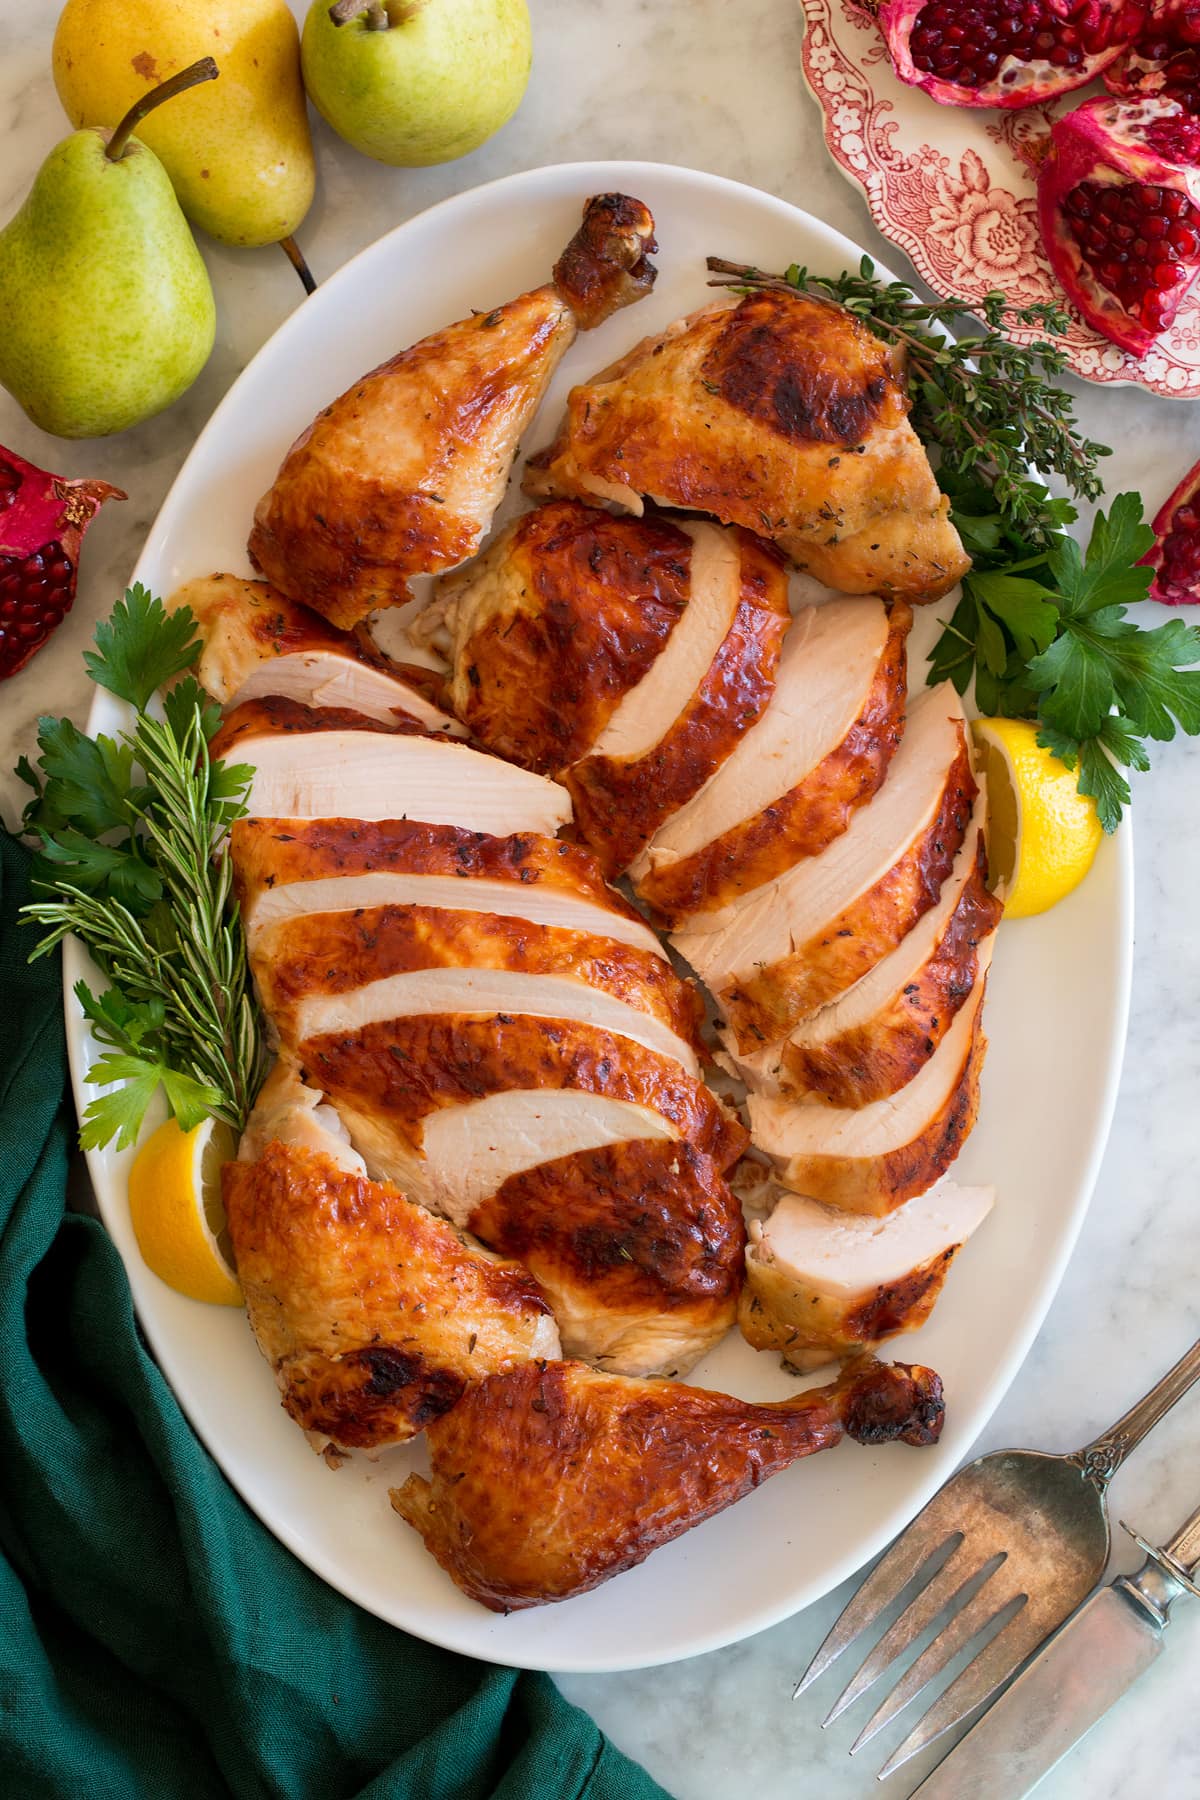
<point x="1178" y="1560"/>
<point x="1184" y="1548"/>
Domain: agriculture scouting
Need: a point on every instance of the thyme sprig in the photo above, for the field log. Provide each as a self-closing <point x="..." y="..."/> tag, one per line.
<point x="129" y="831"/>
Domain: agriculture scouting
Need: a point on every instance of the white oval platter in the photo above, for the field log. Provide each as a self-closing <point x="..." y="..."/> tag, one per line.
<point x="1056" y="1018"/>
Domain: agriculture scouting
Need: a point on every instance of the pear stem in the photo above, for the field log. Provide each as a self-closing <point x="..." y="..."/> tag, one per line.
<point x="295" y="256"/>
<point x="204" y="70"/>
<point x="345" y="10"/>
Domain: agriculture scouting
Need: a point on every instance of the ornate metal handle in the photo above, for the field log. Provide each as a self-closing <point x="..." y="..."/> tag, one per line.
<point x="1101" y="1459"/>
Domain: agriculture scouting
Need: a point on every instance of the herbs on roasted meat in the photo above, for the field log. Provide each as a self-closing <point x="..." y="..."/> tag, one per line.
<point x="127" y="828"/>
<point x="1041" y="629"/>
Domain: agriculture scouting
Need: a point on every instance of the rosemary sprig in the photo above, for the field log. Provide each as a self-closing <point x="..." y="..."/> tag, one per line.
<point x="130" y="832"/>
<point x="1041" y="631"/>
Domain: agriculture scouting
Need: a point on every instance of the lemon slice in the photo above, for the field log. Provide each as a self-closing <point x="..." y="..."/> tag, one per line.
<point x="178" y="1218"/>
<point x="1043" y="833"/>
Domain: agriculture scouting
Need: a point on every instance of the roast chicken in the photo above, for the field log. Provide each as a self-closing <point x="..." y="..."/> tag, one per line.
<point x="550" y="1479"/>
<point x="777" y="412"/>
<point x="259" y="644"/>
<point x="400" y="476"/>
<point x="823" y="1285"/>
<point x="373" y="1314"/>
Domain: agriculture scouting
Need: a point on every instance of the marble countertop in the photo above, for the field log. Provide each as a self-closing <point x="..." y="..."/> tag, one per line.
<point x="719" y="87"/>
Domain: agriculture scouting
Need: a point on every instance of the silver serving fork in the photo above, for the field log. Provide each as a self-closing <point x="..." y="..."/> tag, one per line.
<point x="1012" y="1543"/>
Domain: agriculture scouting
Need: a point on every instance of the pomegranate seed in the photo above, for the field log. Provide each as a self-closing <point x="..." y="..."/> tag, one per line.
<point x="1122" y="232"/>
<point x="967" y="44"/>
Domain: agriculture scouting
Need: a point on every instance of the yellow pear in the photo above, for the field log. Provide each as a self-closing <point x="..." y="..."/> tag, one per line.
<point x="238" y="152"/>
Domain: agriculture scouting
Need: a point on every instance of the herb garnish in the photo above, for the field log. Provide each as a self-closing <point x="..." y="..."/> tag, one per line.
<point x="1042" y="630"/>
<point x="127" y="829"/>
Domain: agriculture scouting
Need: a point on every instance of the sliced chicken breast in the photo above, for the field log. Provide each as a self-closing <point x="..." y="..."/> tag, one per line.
<point x="788" y="948"/>
<point x="822" y="1285"/>
<point x="372" y="772"/>
<point x="871" y="1159"/>
<point x="885" y="1028"/>
<point x="258" y="642"/>
<point x="323" y="954"/>
<point x="504" y="993"/>
<point x="374" y="1315"/>
<point x="289" y="868"/>
<point x="821" y="750"/>
<point x="638" y="1247"/>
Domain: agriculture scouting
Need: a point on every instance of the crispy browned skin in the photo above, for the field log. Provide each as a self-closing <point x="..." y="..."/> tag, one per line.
<point x="332" y="953"/>
<point x="404" y="1069"/>
<point x="401" y="474"/>
<point x="782" y="414"/>
<point x="638" y="1247"/>
<point x="548" y="1480"/>
<point x="809" y="1330"/>
<point x="619" y="801"/>
<point x="869" y="1061"/>
<point x="605" y="266"/>
<point x="587" y="601"/>
<point x="764" y="1007"/>
<point x="878" y="1185"/>
<point x="275" y="715"/>
<point x="374" y="1314"/>
<point x="271" y="851"/>
<point x="804" y="821"/>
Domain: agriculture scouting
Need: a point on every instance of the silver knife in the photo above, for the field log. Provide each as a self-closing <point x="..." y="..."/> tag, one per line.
<point x="1073" y="1680"/>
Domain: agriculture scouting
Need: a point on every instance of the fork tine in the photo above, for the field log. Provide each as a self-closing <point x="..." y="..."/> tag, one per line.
<point x="944" y="1587"/>
<point x="982" y="1678"/>
<point x="893" y="1572"/>
<point x="984" y="1606"/>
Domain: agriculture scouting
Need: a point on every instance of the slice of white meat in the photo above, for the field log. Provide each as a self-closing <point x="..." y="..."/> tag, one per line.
<point x="486" y="991"/>
<point x="871" y="1159"/>
<point x="325" y="678"/>
<point x="288" y="1111"/>
<point x="469" y="1151"/>
<point x="648" y="711"/>
<point x="823" y="1284"/>
<point x="769" y="923"/>
<point x="828" y="666"/>
<point x="879" y="995"/>
<point x="539" y="904"/>
<point x="378" y="775"/>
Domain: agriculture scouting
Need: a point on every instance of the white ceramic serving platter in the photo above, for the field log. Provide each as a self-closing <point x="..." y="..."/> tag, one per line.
<point x="955" y="188"/>
<point x="1056" y="1017"/>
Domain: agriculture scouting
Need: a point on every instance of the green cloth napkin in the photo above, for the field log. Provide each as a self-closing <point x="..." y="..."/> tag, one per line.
<point x="155" y="1640"/>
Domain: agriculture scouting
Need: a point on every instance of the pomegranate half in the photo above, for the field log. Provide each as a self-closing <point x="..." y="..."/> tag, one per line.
<point x="1164" y="60"/>
<point x="1175" y="557"/>
<point x="1119" y="208"/>
<point x="42" y="521"/>
<point x="1006" y="52"/>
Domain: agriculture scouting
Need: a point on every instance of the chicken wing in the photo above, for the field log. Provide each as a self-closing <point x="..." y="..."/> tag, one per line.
<point x="780" y="413"/>
<point x="400" y="476"/>
<point x="550" y="1479"/>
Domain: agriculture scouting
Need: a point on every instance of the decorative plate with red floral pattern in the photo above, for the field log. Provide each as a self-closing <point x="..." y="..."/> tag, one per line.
<point x="954" y="187"/>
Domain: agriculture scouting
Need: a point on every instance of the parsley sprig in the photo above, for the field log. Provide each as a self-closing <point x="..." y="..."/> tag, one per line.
<point x="1041" y="629"/>
<point x="128" y="829"/>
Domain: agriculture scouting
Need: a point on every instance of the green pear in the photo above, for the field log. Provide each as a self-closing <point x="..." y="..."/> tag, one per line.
<point x="107" y="307"/>
<point x="416" y="81"/>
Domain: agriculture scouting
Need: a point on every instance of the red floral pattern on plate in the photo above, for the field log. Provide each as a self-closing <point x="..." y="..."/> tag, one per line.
<point x="962" y="207"/>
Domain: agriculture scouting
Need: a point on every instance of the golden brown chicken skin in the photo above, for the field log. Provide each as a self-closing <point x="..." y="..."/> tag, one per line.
<point x="402" y="1070"/>
<point x="373" y="1314"/>
<point x="808" y="817"/>
<point x="401" y="474"/>
<point x="549" y="1480"/>
<point x="780" y="413"/>
<point x="331" y="953"/>
<point x="275" y="715"/>
<point x="638" y="1247"/>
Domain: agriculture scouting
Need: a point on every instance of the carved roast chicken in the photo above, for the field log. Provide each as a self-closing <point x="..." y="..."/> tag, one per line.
<point x="777" y="412"/>
<point x="400" y="476"/>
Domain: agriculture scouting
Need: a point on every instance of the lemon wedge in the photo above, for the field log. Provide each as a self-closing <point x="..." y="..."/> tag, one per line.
<point x="178" y="1218"/>
<point x="1043" y="833"/>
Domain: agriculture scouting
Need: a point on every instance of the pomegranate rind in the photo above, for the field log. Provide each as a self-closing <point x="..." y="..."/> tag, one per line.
<point x="1016" y="84"/>
<point x="1163" y="589"/>
<point x="1104" y="141"/>
<point x="46" y="510"/>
